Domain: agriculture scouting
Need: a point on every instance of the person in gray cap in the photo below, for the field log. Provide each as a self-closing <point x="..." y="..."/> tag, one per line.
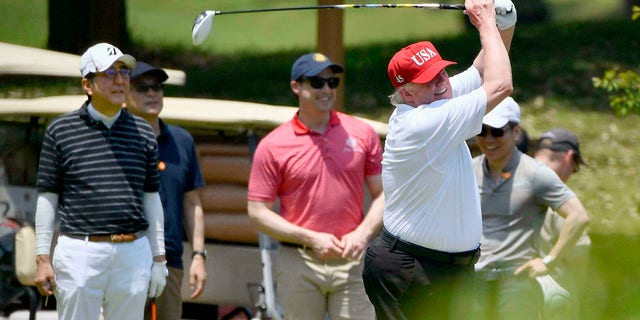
<point x="317" y="165"/>
<point x="559" y="149"/>
<point x="515" y="192"/>
<point x="98" y="172"/>
<point x="565" y="147"/>
<point x="180" y="179"/>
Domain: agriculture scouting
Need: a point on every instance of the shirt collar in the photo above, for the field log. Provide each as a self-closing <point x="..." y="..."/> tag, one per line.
<point x="91" y="115"/>
<point x="301" y="128"/>
<point x="507" y="171"/>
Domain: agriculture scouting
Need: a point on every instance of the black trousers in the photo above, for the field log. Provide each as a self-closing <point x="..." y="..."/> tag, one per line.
<point x="403" y="286"/>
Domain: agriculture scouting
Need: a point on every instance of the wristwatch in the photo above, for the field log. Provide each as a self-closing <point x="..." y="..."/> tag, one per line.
<point x="547" y="260"/>
<point x="202" y="253"/>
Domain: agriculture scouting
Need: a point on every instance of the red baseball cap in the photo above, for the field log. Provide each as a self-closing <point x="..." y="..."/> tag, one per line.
<point x="419" y="62"/>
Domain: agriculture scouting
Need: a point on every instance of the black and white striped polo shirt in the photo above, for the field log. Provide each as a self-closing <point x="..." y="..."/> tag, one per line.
<point x="100" y="174"/>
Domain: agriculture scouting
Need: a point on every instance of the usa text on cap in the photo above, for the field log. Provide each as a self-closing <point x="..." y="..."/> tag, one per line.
<point x="419" y="62"/>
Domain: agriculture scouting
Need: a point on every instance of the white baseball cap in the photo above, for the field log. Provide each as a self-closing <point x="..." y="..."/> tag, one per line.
<point x="101" y="56"/>
<point x="506" y="111"/>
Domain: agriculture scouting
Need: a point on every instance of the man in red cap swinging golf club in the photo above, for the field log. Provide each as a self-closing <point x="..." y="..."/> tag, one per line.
<point x="422" y="264"/>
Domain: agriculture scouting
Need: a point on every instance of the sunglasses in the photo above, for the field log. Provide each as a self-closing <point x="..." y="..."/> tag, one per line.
<point x="111" y="73"/>
<point x="144" y="87"/>
<point x="318" y="82"/>
<point x="495" y="132"/>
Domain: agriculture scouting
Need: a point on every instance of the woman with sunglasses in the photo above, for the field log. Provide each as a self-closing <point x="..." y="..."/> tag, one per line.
<point x="515" y="192"/>
<point x="317" y="165"/>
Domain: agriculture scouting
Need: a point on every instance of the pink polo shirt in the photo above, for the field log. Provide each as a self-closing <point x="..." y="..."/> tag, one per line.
<point x="319" y="178"/>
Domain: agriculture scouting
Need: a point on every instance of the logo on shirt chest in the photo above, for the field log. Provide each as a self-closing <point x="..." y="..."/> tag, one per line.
<point x="351" y="145"/>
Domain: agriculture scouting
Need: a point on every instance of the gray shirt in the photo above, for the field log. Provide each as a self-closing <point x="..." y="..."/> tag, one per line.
<point x="514" y="208"/>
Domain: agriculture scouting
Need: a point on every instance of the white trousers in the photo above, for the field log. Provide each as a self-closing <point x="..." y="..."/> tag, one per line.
<point x="101" y="276"/>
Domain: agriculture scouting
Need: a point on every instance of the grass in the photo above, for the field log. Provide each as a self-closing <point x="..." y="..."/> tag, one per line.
<point x="168" y="23"/>
<point x="249" y="57"/>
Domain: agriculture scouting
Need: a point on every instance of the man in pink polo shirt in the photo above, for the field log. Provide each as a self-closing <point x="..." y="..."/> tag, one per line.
<point x="317" y="165"/>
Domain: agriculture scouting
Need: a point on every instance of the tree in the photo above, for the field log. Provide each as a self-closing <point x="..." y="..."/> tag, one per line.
<point x="623" y="86"/>
<point x="76" y="25"/>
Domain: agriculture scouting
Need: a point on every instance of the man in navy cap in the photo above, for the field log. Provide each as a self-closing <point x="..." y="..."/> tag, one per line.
<point x="317" y="165"/>
<point x="180" y="179"/>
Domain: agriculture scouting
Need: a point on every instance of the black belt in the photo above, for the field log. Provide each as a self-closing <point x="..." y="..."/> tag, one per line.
<point x="293" y="245"/>
<point x="464" y="258"/>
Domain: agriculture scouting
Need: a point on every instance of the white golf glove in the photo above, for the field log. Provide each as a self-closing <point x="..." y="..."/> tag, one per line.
<point x="506" y="15"/>
<point x="158" y="279"/>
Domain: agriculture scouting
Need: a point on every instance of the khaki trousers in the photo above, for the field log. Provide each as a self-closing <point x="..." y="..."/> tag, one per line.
<point x="309" y="288"/>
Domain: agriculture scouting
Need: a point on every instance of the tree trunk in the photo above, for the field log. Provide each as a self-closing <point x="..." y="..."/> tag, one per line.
<point x="330" y="35"/>
<point x="76" y="25"/>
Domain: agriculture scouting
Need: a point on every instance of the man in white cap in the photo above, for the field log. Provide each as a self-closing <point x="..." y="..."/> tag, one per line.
<point x="515" y="192"/>
<point x="98" y="173"/>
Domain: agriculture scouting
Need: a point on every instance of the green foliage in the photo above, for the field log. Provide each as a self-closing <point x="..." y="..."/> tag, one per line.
<point x="635" y="14"/>
<point x="623" y="87"/>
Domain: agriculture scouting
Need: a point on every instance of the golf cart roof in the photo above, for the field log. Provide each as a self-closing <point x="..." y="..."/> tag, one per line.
<point x="187" y="112"/>
<point x="21" y="60"/>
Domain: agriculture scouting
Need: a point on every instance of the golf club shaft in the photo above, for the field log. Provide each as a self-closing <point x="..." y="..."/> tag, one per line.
<point x="435" y="6"/>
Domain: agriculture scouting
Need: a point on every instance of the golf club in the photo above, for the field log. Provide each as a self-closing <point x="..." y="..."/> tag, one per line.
<point x="202" y="23"/>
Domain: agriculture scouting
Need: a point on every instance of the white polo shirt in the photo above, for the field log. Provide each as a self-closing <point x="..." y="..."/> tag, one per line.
<point x="431" y="195"/>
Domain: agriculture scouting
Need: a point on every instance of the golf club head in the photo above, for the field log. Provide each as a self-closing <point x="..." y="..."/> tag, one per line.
<point x="202" y="27"/>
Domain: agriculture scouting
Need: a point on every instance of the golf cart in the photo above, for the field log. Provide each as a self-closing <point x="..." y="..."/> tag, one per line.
<point x="225" y="133"/>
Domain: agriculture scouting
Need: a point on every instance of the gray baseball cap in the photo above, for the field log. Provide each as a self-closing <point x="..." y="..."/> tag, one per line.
<point x="560" y="139"/>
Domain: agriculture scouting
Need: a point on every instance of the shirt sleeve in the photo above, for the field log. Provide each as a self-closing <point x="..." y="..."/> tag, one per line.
<point x="152" y="181"/>
<point x="550" y="189"/>
<point x="194" y="174"/>
<point x="373" y="166"/>
<point x="466" y="81"/>
<point x="49" y="165"/>
<point x="264" y="178"/>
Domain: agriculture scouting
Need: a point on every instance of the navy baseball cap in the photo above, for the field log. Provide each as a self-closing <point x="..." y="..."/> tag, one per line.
<point x="145" y="68"/>
<point x="309" y="65"/>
